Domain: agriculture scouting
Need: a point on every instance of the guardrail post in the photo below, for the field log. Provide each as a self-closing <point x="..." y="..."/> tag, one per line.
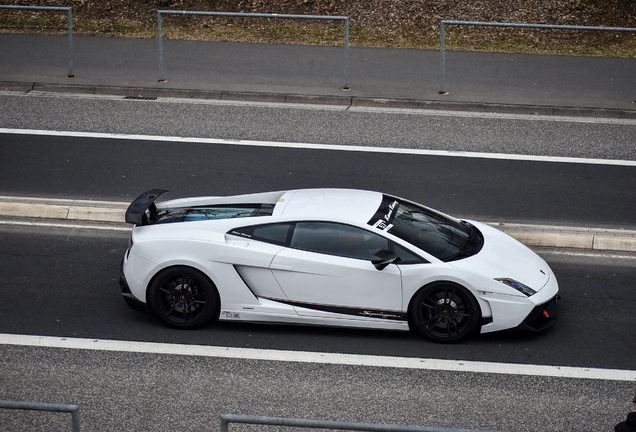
<point x="160" y="45"/>
<point x="75" y="419"/>
<point x="346" y="65"/>
<point x="224" y="423"/>
<point x="442" y="36"/>
<point x="70" y="43"/>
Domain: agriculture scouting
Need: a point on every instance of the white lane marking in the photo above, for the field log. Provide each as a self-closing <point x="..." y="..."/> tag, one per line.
<point x="326" y="107"/>
<point x="61" y="225"/>
<point x="477" y="155"/>
<point x="585" y="254"/>
<point x="322" y="358"/>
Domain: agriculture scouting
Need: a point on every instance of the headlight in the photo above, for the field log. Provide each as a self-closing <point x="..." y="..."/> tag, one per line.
<point x="524" y="289"/>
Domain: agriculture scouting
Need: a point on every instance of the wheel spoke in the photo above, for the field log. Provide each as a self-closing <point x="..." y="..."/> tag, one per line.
<point x="437" y="319"/>
<point x="168" y="288"/>
<point x="430" y="300"/>
<point x="167" y="291"/>
<point x="171" y="306"/>
<point x="186" y="315"/>
<point x="451" y="323"/>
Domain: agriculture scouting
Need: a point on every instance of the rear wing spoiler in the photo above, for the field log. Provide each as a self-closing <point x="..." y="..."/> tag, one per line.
<point x="143" y="208"/>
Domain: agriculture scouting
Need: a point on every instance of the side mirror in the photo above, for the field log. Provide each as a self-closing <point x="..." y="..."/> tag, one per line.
<point x="383" y="258"/>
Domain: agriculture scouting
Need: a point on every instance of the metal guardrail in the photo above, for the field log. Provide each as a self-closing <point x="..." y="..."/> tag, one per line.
<point x="70" y="28"/>
<point x="256" y="15"/>
<point x="226" y="419"/>
<point x="522" y="25"/>
<point x="73" y="409"/>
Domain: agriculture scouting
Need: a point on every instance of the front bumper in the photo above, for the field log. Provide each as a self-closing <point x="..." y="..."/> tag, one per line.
<point x="542" y="316"/>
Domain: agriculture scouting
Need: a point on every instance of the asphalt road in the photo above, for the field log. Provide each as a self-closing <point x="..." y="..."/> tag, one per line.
<point x="418" y="129"/>
<point x="143" y="392"/>
<point x="485" y="189"/>
<point x="74" y="293"/>
<point x="63" y="282"/>
<point x="488" y="189"/>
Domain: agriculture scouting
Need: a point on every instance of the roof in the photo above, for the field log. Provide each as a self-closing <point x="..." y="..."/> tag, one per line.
<point x="330" y="204"/>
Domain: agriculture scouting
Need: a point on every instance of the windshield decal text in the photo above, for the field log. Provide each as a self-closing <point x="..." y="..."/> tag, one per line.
<point x="383" y="218"/>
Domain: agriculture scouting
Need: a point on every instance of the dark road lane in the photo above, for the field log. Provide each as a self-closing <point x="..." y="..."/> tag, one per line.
<point x="486" y="189"/>
<point x="63" y="282"/>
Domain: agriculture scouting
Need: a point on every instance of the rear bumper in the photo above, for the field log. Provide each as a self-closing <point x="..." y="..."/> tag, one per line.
<point x="542" y="316"/>
<point x="130" y="299"/>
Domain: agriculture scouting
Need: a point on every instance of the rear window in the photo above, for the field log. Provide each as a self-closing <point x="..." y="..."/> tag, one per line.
<point x="191" y="214"/>
<point x="277" y="233"/>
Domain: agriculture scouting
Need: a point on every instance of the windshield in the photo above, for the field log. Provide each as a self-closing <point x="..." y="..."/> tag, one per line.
<point x="444" y="238"/>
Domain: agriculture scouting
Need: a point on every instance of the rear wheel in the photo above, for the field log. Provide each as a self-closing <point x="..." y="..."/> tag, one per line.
<point x="444" y="312"/>
<point x="183" y="297"/>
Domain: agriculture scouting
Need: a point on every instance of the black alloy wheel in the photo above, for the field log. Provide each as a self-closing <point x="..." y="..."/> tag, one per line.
<point x="445" y="312"/>
<point x="184" y="297"/>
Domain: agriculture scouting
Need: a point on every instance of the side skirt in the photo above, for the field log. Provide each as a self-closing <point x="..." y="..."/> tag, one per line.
<point x="251" y="316"/>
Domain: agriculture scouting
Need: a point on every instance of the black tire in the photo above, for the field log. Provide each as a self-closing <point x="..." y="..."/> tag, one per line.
<point x="183" y="297"/>
<point x="444" y="312"/>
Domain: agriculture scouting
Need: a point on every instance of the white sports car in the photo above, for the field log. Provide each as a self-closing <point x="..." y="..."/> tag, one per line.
<point x="330" y="257"/>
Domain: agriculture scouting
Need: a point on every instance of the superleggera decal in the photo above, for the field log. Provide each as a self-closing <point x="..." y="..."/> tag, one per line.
<point x="370" y="313"/>
<point x="378" y="314"/>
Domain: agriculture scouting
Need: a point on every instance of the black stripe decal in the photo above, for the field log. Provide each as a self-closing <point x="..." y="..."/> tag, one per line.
<point x="369" y="313"/>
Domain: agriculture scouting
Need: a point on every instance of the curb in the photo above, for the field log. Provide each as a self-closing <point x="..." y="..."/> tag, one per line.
<point x="571" y="237"/>
<point x="368" y="102"/>
<point x="66" y="209"/>
<point x="531" y="235"/>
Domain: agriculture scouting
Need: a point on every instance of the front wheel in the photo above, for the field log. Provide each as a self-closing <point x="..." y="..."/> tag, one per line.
<point x="444" y="312"/>
<point x="183" y="297"/>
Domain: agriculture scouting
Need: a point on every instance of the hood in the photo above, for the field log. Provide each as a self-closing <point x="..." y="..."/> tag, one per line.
<point x="504" y="257"/>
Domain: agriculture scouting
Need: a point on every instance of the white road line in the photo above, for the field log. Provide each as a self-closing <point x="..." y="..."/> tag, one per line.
<point x="476" y="155"/>
<point x="321" y="358"/>
<point x="608" y="255"/>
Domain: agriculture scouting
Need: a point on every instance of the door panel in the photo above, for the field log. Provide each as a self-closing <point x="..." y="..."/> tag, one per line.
<point x="320" y="285"/>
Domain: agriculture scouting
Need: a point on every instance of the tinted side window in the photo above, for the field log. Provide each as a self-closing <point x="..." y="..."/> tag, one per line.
<point x="337" y="239"/>
<point x="406" y="256"/>
<point x="270" y="233"/>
